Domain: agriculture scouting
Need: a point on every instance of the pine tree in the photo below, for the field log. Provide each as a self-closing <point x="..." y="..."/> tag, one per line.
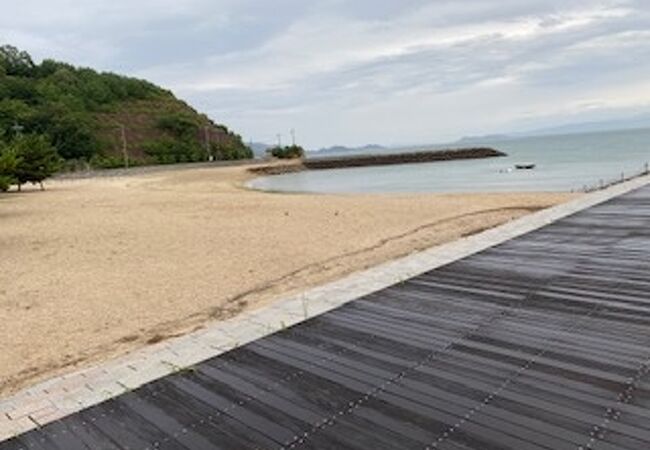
<point x="8" y="163"/>
<point x="38" y="159"/>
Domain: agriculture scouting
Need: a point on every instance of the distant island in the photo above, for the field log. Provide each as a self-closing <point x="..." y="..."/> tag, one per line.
<point x="344" y="149"/>
<point x="104" y="119"/>
<point x="485" y="138"/>
<point x="636" y="122"/>
<point x="641" y="121"/>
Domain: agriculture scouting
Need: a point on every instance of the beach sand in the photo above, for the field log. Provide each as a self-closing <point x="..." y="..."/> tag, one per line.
<point x="93" y="268"/>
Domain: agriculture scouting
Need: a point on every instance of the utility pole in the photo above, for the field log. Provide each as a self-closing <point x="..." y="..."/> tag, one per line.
<point x="207" y="142"/>
<point x="279" y="140"/>
<point x="125" y="153"/>
<point x="293" y="136"/>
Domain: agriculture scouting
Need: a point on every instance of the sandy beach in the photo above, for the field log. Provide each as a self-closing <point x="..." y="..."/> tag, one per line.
<point x="93" y="268"/>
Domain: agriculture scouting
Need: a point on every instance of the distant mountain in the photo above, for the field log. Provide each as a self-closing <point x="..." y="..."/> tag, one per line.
<point x="635" y="122"/>
<point x="631" y="123"/>
<point x="343" y="149"/>
<point x="484" y="138"/>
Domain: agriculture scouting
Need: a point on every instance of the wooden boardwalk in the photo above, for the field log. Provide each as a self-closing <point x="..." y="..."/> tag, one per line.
<point x="540" y="343"/>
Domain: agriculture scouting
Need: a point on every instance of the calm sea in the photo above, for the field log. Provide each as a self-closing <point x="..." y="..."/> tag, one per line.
<point x="564" y="163"/>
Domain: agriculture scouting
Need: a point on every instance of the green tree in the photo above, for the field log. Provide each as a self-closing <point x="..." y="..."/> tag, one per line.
<point x="37" y="159"/>
<point x="72" y="135"/>
<point x="170" y="151"/>
<point x="8" y="163"/>
<point x="229" y="146"/>
<point x="290" y="152"/>
<point x="48" y="67"/>
<point x="13" y="112"/>
<point x="16" y="62"/>
<point x="180" y="125"/>
<point x="19" y="88"/>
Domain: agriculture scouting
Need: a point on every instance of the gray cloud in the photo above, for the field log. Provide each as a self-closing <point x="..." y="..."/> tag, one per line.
<point x="360" y="71"/>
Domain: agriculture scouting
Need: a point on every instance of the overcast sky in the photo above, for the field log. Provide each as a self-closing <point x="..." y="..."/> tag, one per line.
<point x="361" y="71"/>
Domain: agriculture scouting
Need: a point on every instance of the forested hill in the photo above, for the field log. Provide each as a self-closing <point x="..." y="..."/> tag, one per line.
<point x="104" y="118"/>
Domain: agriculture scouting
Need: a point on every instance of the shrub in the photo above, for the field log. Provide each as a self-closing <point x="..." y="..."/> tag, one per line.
<point x="170" y="151"/>
<point x="37" y="159"/>
<point x="230" y="150"/>
<point x="108" y="162"/>
<point x="290" y="152"/>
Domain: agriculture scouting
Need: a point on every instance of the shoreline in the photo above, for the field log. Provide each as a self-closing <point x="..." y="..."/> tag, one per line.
<point x="103" y="266"/>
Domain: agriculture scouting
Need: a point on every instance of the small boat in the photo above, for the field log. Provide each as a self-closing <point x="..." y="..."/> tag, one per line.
<point x="525" y="166"/>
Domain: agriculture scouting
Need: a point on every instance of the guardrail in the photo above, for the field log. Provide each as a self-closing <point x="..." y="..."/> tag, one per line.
<point x="604" y="184"/>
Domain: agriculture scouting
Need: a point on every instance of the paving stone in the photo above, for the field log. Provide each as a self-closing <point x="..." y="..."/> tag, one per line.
<point x="299" y="311"/>
<point x="13" y="428"/>
<point x="190" y="355"/>
<point x="101" y="391"/>
<point x="214" y="338"/>
<point x="146" y="373"/>
<point x="6" y="406"/>
<point x="47" y="415"/>
<point x="86" y="398"/>
<point x="242" y="333"/>
<point x="29" y="407"/>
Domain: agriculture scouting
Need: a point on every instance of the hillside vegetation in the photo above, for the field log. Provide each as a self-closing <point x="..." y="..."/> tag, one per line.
<point x="104" y="119"/>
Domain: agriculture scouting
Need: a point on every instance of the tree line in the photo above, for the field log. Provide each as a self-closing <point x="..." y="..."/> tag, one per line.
<point x="287" y="152"/>
<point x="70" y="108"/>
<point x="58" y="100"/>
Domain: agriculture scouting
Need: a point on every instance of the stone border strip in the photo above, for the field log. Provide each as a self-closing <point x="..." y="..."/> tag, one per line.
<point x="64" y="395"/>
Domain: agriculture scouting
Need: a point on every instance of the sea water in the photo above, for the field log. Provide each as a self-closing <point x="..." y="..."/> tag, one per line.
<point x="563" y="163"/>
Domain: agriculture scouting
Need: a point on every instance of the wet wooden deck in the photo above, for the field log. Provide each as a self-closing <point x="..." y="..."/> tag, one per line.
<point x="540" y="343"/>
